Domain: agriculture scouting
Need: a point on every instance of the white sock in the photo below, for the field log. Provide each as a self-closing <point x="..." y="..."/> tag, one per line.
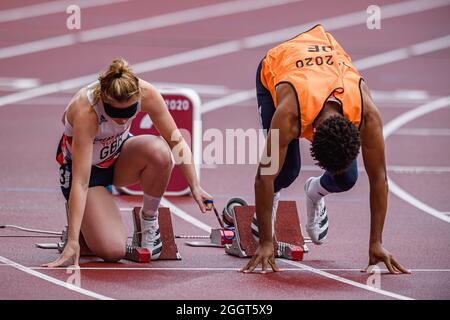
<point x="316" y="191"/>
<point x="150" y="207"/>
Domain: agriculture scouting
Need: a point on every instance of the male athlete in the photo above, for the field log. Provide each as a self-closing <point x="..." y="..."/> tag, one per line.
<point x="307" y="87"/>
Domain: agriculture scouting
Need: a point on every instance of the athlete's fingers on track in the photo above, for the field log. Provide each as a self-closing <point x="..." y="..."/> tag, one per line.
<point x="253" y="263"/>
<point x="399" y="267"/>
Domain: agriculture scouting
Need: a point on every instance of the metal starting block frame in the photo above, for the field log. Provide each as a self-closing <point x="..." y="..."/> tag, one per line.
<point x="218" y="239"/>
<point x="134" y="251"/>
<point x="289" y="243"/>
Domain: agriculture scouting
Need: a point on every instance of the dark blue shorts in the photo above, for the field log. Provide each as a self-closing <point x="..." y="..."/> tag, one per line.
<point x="99" y="177"/>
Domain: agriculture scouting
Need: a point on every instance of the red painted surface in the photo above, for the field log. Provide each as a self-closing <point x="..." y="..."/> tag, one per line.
<point x="29" y="133"/>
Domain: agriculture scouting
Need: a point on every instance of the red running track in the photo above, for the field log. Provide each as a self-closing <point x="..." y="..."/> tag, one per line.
<point x="416" y="153"/>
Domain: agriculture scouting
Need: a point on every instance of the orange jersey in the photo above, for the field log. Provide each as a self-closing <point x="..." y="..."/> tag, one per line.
<point x="316" y="66"/>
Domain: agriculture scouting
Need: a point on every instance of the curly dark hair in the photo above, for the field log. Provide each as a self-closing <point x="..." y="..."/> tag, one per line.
<point x="335" y="144"/>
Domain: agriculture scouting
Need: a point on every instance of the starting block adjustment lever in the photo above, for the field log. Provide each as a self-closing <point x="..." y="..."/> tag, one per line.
<point x="219" y="237"/>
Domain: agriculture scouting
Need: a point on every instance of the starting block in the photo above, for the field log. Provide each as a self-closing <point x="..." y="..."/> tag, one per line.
<point x="289" y="243"/>
<point x="134" y="252"/>
<point x="138" y="254"/>
<point x="169" y="247"/>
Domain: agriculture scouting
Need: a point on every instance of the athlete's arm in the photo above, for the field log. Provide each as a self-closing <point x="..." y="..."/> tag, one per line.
<point x="84" y="123"/>
<point x="153" y="103"/>
<point x="285" y="122"/>
<point x="372" y="143"/>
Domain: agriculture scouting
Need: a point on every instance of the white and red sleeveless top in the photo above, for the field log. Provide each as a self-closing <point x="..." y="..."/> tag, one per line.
<point x="108" y="140"/>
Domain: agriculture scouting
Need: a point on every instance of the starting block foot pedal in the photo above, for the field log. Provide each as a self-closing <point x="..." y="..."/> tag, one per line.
<point x="137" y="254"/>
<point x="134" y="252"/>
<point x="222" y="237"/>
<point x="169" y="247"/>
<point x="290" y="243"/>
<point x="290" y="252"/>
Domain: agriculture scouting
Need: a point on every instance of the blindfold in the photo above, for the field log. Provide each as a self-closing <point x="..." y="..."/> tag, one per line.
<point x="121" y="113"/>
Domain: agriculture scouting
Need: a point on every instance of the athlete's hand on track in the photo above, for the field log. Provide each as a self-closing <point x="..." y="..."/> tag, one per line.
<point x="265" y="256"/>
<point x="379" y="254"/>
<point x="71" y="251"/>
<point x="200" y="196"/>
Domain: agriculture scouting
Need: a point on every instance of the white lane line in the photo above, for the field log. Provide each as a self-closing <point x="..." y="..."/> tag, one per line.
<point x="204" y="89"/>
<point x="356" y="270"/>
<point x="426" y="132"/>
<point x="231" y="99"/>
<point x="400" y="96"/>
<point x="347" y="20"/>
<point x="53" y="280"/>
<point x="395" y="169"/>
<point x="430" y="46"/>
<point x="343" y="21"/>
<point x="42" y="9"/>
<point x="139" y="25"/>
<point x="418" y="169"/>
<point x="406" y="117"/>
<point x="300" y="265"/>
<point x="404" y="53"/>
<point x="184" y="16"/>
<point x="394" y="125"/>
<point x="48" y="101"/>
<point x="402" y="194"/>
<point x="13" y="83"/>
<point x="347" y="281"/>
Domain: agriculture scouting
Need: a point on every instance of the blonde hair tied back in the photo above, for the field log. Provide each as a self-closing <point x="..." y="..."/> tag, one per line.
<point x="118" y="82"/>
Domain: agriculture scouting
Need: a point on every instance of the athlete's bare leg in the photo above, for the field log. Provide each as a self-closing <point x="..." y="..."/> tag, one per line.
<point x="102" y="226"/>
<point x="147" y="160"/>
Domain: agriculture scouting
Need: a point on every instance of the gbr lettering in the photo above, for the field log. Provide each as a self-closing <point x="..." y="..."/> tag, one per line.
<point x="110" y="149"/>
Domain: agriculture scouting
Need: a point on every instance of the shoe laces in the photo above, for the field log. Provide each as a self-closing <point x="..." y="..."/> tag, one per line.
<point x="319" y="211"/>
<point x="150" y="232"/>
<point x="323" y="210"/>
